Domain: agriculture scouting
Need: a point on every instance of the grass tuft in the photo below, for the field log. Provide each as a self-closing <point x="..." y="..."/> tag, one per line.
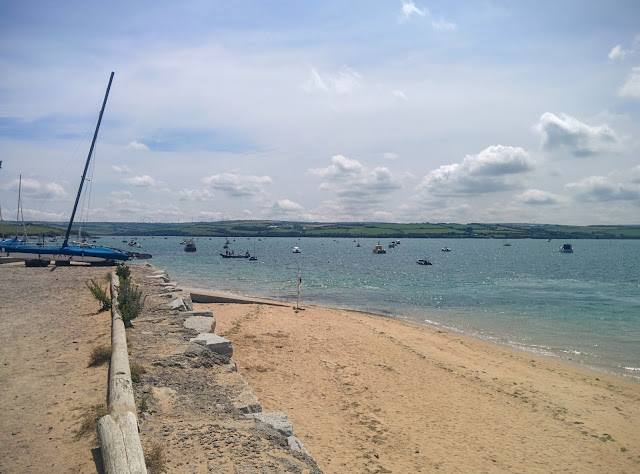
<point x="100" y="355"/>
<point x="154" y="458"/>
<point x="90" y="419"/>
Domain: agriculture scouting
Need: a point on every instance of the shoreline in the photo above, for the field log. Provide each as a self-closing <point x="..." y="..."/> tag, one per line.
<point x="230" y="297"/>
<point x="368" y="393"/>
<point x="365" y="393"/>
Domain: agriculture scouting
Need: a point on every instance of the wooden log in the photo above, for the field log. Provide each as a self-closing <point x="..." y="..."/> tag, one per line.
<point x="128" y="424"/>
<point x="114" y="454"/>
<point x="120" y="394"/>
<point x="118" y="431"/>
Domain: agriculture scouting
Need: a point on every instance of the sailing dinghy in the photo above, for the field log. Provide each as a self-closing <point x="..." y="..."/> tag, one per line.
<point x="36" y="256"/>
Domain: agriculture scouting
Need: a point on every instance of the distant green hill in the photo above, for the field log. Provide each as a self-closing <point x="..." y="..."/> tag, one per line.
<point x="337" y="229"/>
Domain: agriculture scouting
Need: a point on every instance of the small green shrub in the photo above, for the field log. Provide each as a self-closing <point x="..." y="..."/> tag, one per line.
<point x="100" y="293"/>
<point x="142" y="405"/>
<point x="130" y="302"/>
<point x="123" y="272"/>
<point x="100" y="355"/>
<point x="137" y="370"/>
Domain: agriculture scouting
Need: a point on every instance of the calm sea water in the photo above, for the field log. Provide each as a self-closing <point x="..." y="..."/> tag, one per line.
<point x="583" y="307"/>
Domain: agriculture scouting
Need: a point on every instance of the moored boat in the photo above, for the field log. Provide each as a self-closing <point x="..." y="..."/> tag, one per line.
<point x="379" y="249"/>
<point x="189" y="245"/>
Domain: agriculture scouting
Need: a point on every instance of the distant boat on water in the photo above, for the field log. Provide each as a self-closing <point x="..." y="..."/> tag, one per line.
<point x="379" y="249"/>
<point x="189" y="245"/>
<point x="566" y="248"/>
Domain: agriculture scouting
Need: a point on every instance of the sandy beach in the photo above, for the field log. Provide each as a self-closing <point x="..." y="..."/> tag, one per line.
<point x="373" y="394"/>
<point x="365" y="393"/>
<point x="49" y="323"/>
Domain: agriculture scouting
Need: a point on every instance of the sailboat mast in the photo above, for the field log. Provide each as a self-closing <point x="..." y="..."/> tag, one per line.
<point x="86" y="166"/>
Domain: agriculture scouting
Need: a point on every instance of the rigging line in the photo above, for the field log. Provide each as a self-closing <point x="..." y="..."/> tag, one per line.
<point x="85" y="208"/>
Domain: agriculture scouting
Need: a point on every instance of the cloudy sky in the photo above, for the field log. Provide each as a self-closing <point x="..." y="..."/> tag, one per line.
<point x="363" y="110"/>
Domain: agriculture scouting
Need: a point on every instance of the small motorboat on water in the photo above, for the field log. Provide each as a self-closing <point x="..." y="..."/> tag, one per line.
<point x="296" y="250"/>
<point x="189" y="245"/>
<point x="566" y="248"/>
<point x="378" y="249"/>
<point x="424" y="261"/>
<point x="232" y="254"/>
<point x="445" y="249"/>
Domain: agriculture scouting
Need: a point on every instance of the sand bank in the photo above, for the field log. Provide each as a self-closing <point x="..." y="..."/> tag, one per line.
<point x="373" y="394"/>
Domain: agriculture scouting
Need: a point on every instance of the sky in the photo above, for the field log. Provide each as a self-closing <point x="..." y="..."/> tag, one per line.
<point x="323" y="110"/>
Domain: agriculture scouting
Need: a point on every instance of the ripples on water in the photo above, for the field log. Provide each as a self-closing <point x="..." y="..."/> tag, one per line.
<point x="582" y="307"/>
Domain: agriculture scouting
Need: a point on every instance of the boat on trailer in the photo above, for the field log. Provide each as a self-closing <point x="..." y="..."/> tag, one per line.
<point x="41" y="256"/>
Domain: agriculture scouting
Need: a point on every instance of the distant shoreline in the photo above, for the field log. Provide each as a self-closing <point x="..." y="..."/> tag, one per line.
<point x="266" y="229"/>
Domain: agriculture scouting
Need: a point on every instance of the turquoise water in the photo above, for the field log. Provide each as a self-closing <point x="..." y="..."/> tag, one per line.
<point x="583" y="308"/>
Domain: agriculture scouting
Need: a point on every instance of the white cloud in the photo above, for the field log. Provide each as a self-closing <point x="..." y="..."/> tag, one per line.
<point x="315" y="81"/>
<point x="399" y="94"/>
<point x="602" y="189"/>
<point x="37" y="215"/>
<point x="236" y="185"/>
<point x="443" y="25"/>
<point x="580" y="139"/>
<point x="391" y="156"/>
<point x="341" y="168"/>
<point x="121" y="168"/>
<point x="287" y="206"/>
<point x="536" y="197"/>
<point x="631" y="88"/>
<point x="360" y="190"/>
<point x="495" y="168"/>
<point x="343" y="81"/>
<point x="617" y="53"/>
<point x="35" y="189"/>
<point x="199" y="195"/>
<point x="143" y="181"/>
<point x="137" y="146"/>
<point x="409" y="9"/>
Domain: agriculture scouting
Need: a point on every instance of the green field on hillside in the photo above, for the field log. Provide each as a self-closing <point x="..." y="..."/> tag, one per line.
<point x="336" y="229"/>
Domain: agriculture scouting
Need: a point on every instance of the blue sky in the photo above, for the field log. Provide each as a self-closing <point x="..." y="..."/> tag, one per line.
<point x="479" y="111"/>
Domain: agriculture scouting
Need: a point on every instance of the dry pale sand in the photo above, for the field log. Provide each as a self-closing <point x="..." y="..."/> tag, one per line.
<point x="48" y="326"/>
<point x="373" y="394"/>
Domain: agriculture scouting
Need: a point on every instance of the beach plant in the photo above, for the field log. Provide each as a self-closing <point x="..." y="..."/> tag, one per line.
<point x="100" y="355"/>
<point x="130" y="301"/>
<point x="100" y="293"/>
<point x="137" y="370"/>
<point x="123" y="272"/>
<point x="155" y="458"/>
<point x="142" y="405"/>
<point x="90" y="417"/>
